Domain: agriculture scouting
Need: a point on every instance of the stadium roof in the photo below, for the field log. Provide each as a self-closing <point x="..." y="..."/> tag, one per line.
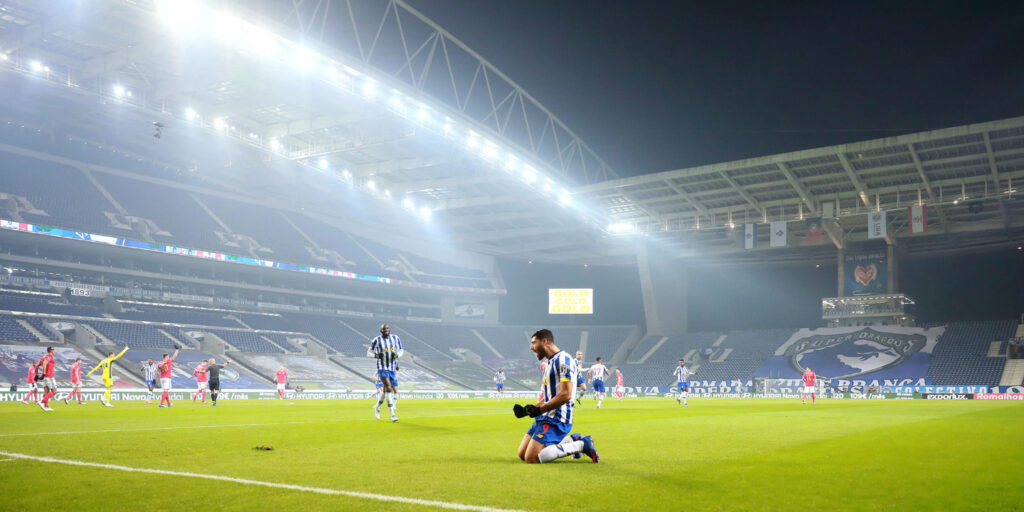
<point x="374" y="94"/>
<point x="965" y="175"/>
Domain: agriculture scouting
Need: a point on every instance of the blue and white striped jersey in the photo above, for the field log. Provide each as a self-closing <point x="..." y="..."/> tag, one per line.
<point x="560" y="367"/>
<point x="390" y="349"/>
<point x="499" y="378"/>
<point x="683" y="373"/>
<point x="150" y="371"/>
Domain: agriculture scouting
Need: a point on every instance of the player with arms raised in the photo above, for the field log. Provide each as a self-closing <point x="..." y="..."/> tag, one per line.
<point x="548" y="438"/>
<point x="166" y="374"/>
<point x="683" y="384"/>
<point x="200" y="374"/>
<point x="149" y="373"/>
<point x="386" y="349"/>
<point x="108" y="382"/>
<point x="809" y="377"/>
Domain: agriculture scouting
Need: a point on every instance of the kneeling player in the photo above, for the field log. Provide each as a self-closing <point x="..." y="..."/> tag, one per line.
<point x="549" y="437"/>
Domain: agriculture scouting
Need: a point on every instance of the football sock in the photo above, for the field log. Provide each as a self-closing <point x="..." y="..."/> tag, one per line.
<point x="380" y="399"/>
<point x="106" y="395"/>
<point x="557" y="451"/>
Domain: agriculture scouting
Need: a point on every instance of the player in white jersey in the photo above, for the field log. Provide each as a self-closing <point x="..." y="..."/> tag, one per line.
<point x="386" y="349"/>
<point x="581" y="381"/>
<point x="549" y="438"/>
<point x="683" y="384"/>
<point x="499" y="382"/>
<point x="596" y="374"/>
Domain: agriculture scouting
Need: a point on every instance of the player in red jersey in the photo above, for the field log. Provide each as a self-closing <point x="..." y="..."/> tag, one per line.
<point x="809" y="385"/>
<point x="282" y="381"/>
<point x="166" y="373"/>
<point x="619" y="389"/>
<point x="49" y="382"/>
<point x="200" y="373"/>
<point x="76" y="381"/>
<point x="31" y="379"/>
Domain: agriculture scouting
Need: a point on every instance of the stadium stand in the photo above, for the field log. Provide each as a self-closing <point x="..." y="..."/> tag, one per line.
<point x="449" y="337"/>
<point x="327" y="237"/>
<point x="174" y="211"/>
<point x="245" y="341"/>
<point x="410" y="376"/>
<point x="961" y="354"/>
<point x="420" y="348"/>
<point x="64" y="195"/>
<point x="176" y="315"/>
<point x="281" y="340"/>
<point x="308" y="372"/>
<point x="40" y="325"/>
<point x="11" y="330"/>
<point x="133" y="335"/>
<point x="512" y="342"/>
<point x="605" y="341"/>
<point x="331" y="332"/>
<point x="271" y="322"/>
<point x="742" y="353"/>
<point x="264" y="225"/>
<point x="50" y="304"/>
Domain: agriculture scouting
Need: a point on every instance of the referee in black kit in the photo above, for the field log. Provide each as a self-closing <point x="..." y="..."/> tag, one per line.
<point x="213" y="369"/>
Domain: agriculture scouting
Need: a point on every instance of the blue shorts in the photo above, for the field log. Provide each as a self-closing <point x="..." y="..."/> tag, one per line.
<point x="387" y="375"/>
<point x="547" y="431"/>
<point x="379" y="385"/>
<point x="683" y="386"/>
<point x="500" y="386"/>
<point x="599" y="386"/>
<point x="580" y="381"/>
<point x="149" y="382"/>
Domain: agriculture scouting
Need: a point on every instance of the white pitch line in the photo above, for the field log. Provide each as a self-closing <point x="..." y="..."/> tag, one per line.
<point x="230" y="425"/>
<point x="246" y="481"/>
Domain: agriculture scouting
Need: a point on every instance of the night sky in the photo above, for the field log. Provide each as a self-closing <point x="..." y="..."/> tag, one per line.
<point x="652" y="86"/>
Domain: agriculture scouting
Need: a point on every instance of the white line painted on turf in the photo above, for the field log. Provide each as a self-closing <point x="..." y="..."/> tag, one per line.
<point x="230" y="425"/>
<point x="293" y="487"/>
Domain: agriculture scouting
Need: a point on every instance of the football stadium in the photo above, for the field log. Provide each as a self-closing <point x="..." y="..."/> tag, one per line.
<point x="324" y="255"/>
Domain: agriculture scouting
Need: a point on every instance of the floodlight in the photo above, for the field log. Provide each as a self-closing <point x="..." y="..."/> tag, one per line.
<point x="422" y="115"/>
<point x="190" y="114"/>
<point x="425" y="212"/>
<point x="408" y="204"/>
<point x="621" y="228"/>
<point x="119" y="90"/>
<point x="219" y="123"/>
<point x="371" y="185"/>
<point x="369" y="89"/>
<point x="529" y="174"/>
<point x="346" y="174"/>
<point x="3" y="56"/>
<point x="564" y="198"/>
<point x="489" y="151"/>
<point x="36" y="65"/>
<point x="323" y="163"/>
<point x="387" y="193"/>
<point x="304" y="57"/>
<point x="180" y="14"/>
<point x="275" y="144"/>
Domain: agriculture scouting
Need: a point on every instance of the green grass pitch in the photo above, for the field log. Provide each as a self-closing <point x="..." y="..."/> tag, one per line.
<point x="724" y="454"/>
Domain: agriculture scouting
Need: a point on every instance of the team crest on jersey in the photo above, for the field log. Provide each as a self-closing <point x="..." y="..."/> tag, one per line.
<point x="851" y="354"/>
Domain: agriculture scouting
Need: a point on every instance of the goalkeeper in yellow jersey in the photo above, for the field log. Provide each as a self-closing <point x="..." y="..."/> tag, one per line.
<point x="107" y="381"/>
